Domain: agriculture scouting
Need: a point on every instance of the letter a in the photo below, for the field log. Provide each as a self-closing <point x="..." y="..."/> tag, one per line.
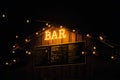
<point x="54" y="35"/>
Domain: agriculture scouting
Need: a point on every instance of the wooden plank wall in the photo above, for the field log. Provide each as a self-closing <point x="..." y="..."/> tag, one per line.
<point x="61" y="72"/>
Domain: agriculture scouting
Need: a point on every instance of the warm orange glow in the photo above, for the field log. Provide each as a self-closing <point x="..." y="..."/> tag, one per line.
<point x="47" y="35"/>
<point x="62" y="34"/>
<point x="55" y="35"/>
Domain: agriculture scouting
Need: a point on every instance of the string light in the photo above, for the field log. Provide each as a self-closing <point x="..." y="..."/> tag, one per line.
<point x="13" y="51"/>
<point x="46" y="24"/>
<point x="83" y="52"/>
<point x="73" y="30"/>
<point x="94" y="52"/>
<point x="61" y="26"/>
<point x="88" y="35"/>
<point x="16" y="36"/>
<point x="6" y="63"/>
<point x="14" y="60"/>
<point x="36" y="33"/>
<point x="43" y="28"/>
<point x="27" y="20"/>
<point x="101" y="38"/>
<point x="112" y="57"/>
<point x="26" y="40"/>
<point x="49" y="25"/>
<point x="46" y="51"/>
<point x="94" y="47"/>
<point x="28" y="52"/>
<point x="14" y="46"/>
<point x="3" y="15"/>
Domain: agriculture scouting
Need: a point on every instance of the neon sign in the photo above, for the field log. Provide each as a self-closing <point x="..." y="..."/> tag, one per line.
<point x="55" y="35"/>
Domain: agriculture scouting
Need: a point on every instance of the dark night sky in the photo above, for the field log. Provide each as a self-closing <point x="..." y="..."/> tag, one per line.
<point x="92" y="17"/>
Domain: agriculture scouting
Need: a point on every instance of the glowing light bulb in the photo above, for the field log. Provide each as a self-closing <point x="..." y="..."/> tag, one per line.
<point x="3" y="15"/>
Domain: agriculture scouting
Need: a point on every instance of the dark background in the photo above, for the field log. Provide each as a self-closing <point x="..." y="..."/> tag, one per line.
<point x="88" y="16"/>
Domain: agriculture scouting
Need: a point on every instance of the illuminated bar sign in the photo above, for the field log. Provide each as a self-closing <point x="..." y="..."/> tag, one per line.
<point x="51" y="35"/>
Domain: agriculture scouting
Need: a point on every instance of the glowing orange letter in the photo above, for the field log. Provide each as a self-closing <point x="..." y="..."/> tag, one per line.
<point x="54" y="35"/>
<point x="62" y="33"/>
<point x="47" y="35"/>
